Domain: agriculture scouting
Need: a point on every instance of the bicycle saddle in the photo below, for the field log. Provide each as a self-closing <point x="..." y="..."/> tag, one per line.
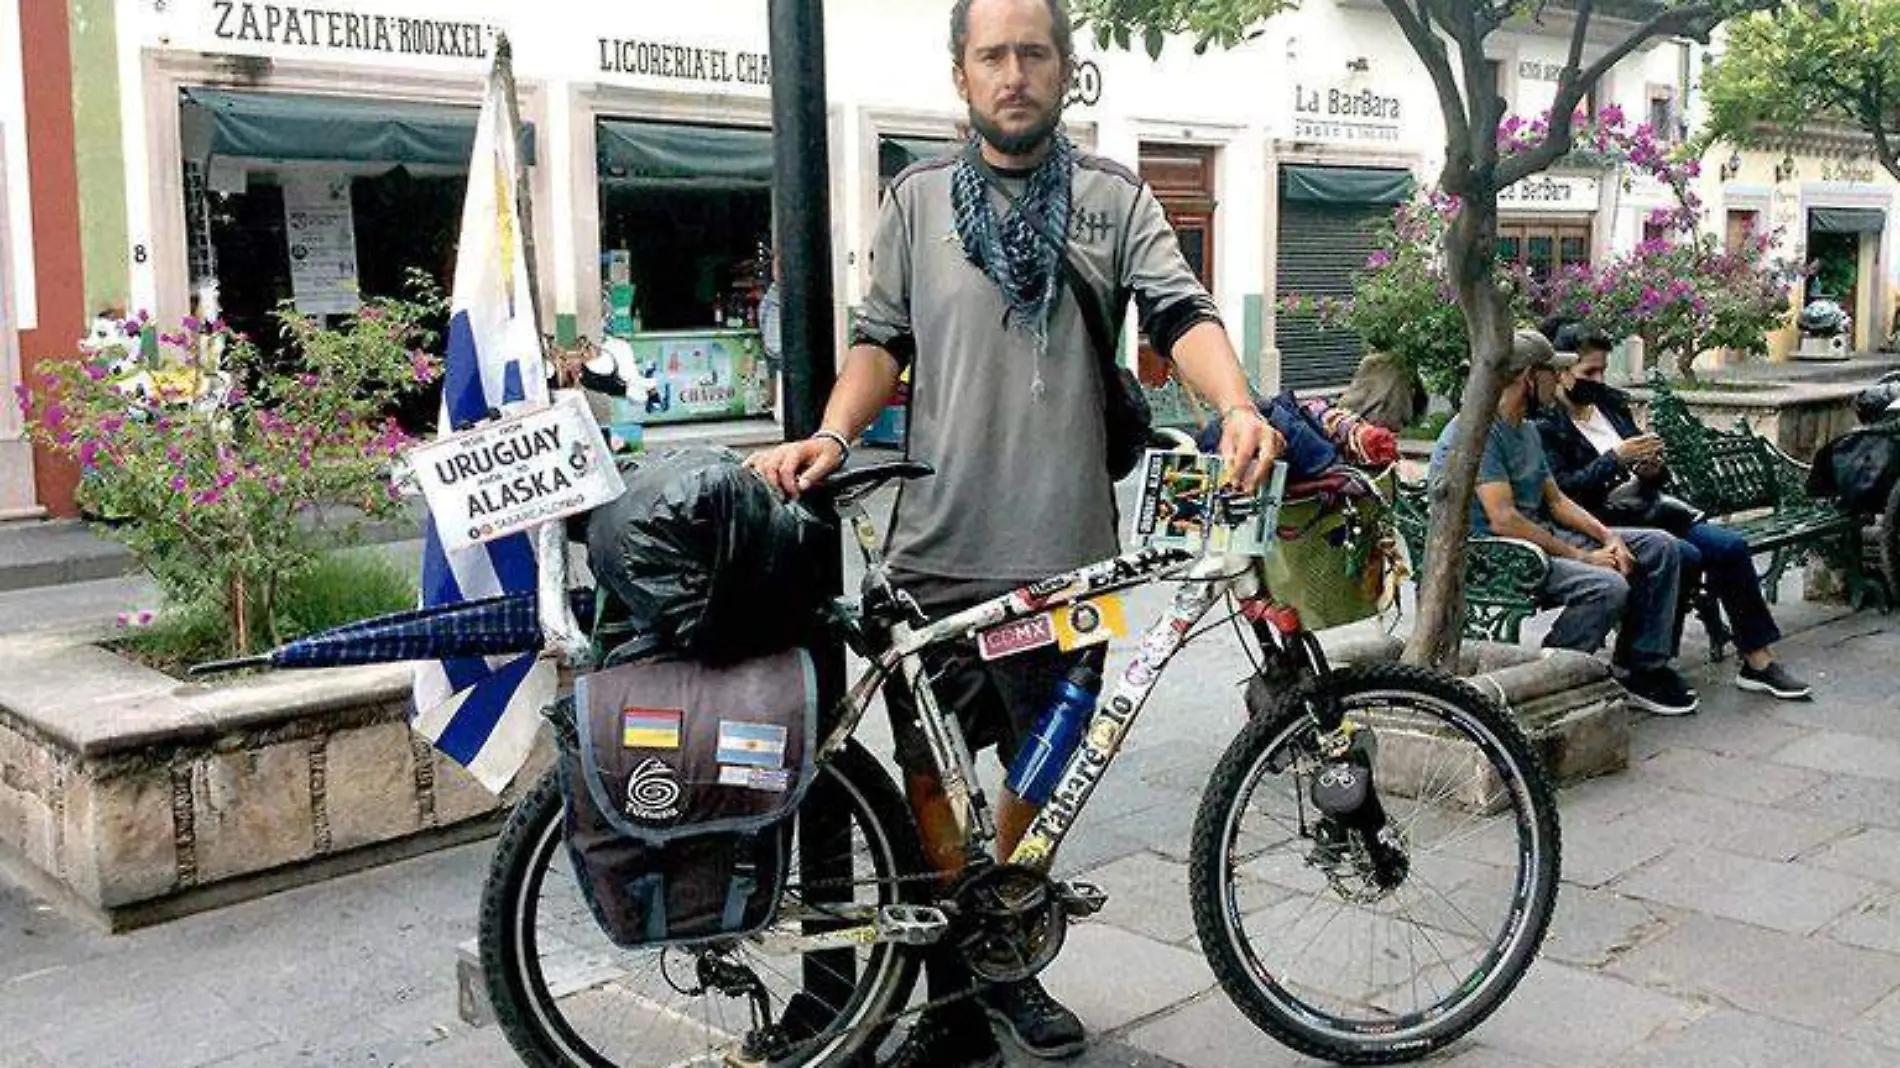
<point x="870" y="476"/>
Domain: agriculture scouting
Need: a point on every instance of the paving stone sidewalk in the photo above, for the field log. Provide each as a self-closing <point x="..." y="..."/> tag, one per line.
<point x="1732" y="900"/>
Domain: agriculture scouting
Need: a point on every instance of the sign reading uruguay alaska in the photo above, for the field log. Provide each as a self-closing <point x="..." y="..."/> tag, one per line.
<point x="516" y="473"/>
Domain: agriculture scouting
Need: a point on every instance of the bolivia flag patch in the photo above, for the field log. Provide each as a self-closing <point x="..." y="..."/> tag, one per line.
<point x="650" y="728"/>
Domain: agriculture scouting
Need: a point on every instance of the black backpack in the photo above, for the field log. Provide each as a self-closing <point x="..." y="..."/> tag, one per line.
<point x="1860" y="468"/>
<point x="680" y="782"/>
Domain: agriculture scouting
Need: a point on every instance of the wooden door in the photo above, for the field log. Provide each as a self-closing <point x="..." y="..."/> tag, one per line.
<point x="1182" y="178"/>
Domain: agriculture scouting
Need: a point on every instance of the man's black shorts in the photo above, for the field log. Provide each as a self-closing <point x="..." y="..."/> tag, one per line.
<point x="997" y="702"/>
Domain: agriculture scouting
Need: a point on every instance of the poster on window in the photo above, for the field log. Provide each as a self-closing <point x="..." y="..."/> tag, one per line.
<point x="717" y="374"/>
<point x="321" y="236"/>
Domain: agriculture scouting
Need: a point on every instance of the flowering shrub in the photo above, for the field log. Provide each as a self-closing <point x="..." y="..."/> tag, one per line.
<point x="1679" y="295"/>
<point x="1682" y="297"/>
<point x="210" y="456"/>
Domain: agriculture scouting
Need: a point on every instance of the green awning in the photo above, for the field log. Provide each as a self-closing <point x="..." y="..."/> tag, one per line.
<point x="280" y="126"/>
<point x="671" y="155"/>
<point x="1846" y="220"/>
<point x="1345" y="185"/>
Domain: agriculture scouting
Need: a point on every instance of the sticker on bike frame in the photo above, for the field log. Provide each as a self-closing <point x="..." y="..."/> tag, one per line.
<point x="1096" y="622"/>
<point x="1021" y="636"/>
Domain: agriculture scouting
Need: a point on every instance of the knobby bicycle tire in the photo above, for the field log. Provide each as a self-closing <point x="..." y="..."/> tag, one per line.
<point x="1216" y="856"/>
<point x="534" y="1022"/>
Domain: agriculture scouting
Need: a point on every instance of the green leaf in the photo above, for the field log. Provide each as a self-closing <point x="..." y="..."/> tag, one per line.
<point x="1154" y="41"/>
<point x="1122" y="37"/>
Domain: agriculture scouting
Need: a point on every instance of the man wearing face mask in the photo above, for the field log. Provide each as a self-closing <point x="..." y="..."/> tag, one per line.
<point x="1604" y="578"/>
<point x="1615" y="472"/>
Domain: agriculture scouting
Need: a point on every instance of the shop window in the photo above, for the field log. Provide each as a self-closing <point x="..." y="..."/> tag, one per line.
<point x="1543" y="247"/>
<point x="1662" y="114"/>
<point x="1742" y="225"/>
<point x="896" y="153"/>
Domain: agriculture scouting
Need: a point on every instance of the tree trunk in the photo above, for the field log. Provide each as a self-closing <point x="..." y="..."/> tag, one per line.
<point x="239" y="613"/>
<point x="1470" y="258"/>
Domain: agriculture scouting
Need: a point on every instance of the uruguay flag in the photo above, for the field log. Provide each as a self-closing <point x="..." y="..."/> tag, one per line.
<point x="484" y="713"/>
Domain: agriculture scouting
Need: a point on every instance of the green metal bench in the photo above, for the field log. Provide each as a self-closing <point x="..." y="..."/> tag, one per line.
<point x="1502" y="575"/>
<point x="1743" y="481"/>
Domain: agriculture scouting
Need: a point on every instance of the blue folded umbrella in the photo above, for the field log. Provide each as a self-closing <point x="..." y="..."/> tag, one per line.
<point x="494" y="626"/>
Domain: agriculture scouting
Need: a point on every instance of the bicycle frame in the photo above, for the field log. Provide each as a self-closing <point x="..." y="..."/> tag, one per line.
<point x="1207" y="580"/>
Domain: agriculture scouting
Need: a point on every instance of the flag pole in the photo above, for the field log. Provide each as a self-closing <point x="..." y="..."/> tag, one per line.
<point x="524" y="199"/>
<point x="560" y="631"/>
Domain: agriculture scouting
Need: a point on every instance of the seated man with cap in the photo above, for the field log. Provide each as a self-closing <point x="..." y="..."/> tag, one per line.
<point x="1604" y="578"/>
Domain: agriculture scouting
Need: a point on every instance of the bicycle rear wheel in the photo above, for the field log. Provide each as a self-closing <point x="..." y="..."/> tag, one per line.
<point x="1372" y="947"/>
<point x="566" y="996"/>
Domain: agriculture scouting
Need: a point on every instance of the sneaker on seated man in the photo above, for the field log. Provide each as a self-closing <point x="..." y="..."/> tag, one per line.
<point x="1605" y="579"/>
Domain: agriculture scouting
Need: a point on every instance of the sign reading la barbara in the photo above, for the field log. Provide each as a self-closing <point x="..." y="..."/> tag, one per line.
<point x="1550" y="193"/>
<point x="517" y="473"/>
<point x="1323" y="113"/>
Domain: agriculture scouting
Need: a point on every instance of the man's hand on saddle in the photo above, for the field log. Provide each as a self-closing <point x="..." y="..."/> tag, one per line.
<point x="797" y="465"/>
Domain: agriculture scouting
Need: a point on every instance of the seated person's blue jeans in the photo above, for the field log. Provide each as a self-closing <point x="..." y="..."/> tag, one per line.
<point x="1724" y="557"/>
<point x="1596" y="600"/>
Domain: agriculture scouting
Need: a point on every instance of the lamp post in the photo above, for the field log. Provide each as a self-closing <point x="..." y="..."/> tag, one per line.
<point x="801" y="213"/>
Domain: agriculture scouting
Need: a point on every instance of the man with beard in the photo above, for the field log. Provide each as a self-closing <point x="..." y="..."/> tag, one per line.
<point x="968" y="290"/>
<point x="1604" y="578"/>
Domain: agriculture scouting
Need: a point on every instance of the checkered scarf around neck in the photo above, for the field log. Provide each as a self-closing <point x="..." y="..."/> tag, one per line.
<point x="1025" y="266"/>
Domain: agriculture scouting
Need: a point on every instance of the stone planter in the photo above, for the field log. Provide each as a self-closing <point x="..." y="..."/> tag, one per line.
<point x="137" y="798"/>
<point x="1566" y="702"/>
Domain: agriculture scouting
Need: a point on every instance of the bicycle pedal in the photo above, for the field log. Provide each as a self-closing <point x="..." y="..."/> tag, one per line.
<point x="911" y="925"/>
<point x="1081" y="900"/>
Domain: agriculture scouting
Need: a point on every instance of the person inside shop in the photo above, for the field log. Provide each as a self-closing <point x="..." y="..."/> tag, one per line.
<point x="1007" y="403"/>
<point x="1616" y="472"/>
<point x="1604" y="578"/>
<point x="771" y="342"/>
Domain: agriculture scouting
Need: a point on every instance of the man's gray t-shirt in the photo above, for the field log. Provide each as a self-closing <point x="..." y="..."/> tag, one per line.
<point x="1512" y="454"/>
<point x="1022" y="488"/>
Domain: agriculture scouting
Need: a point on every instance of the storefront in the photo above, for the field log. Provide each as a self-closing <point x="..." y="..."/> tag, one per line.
<point x="321" y="202"/>
<point x="651" y="176"/>
<point x="685" y="237"/>
<point x="1824" y="204"/>
<point x="1548" y="222"/>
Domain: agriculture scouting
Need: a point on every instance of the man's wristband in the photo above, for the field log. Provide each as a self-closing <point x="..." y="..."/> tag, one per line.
<point x="844" y="447"/>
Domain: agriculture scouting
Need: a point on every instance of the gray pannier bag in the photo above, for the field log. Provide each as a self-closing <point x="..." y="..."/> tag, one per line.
<point x="680" y="783"/>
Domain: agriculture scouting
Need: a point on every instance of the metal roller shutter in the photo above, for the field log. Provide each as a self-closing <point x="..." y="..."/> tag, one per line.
<point x="1322" y="246"/>
<point x="1330" y="219"/>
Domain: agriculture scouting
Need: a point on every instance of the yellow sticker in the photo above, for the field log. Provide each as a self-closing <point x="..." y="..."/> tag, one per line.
<point x="1087" y="623"/>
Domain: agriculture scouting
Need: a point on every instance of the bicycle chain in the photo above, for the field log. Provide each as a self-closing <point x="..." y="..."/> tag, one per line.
<point x="967" y="994"/>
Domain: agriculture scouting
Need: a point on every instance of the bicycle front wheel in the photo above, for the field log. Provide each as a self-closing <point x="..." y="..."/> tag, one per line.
<point x="566" y="996"/>
<point x="1376" y="940"/>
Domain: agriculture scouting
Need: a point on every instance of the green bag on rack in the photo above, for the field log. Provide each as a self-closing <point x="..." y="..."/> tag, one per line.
<point x="1336" y="557"/>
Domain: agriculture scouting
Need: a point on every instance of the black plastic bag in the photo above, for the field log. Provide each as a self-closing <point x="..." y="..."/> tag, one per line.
<point x="1860" y="468"/>
<point x="709" y="559"/>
